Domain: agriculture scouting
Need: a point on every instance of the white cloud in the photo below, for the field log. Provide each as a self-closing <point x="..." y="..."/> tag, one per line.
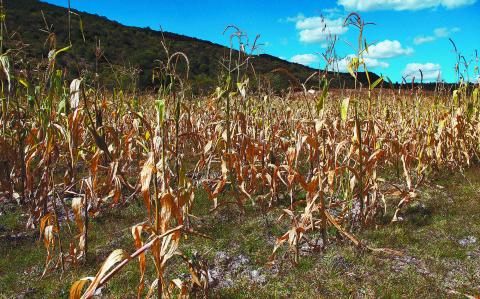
<point x="418" y="40"/>
<point x="387" y="49"/>
<point x="371" y="63"/>
<point x="332" y="11"/>
<point x="431" y="71"/>
<point x="367" y="5"/>
<point x="383" y="49"/>
<point x="296" y="18"/>
<point x="317" y="29"/>
<point x="437" y="33"/>
<point x="305" y="59"/>
<point x="475" y="79"/>
<point x="445" y="32"/>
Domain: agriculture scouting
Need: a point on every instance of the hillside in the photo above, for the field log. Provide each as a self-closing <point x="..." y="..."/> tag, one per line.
<point x="131" y="47"/>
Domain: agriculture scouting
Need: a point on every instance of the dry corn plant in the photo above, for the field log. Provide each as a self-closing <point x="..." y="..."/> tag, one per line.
<point x="167" y="195"/>
<point x="73" y="149"/>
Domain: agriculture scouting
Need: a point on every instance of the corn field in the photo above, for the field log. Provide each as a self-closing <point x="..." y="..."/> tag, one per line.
<point x="333" y="162"/>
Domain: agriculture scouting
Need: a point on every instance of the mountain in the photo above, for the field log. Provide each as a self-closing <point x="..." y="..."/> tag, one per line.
<point x="132" y="48"/>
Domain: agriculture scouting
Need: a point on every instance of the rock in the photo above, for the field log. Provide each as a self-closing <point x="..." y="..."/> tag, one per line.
<point x="456" y="277"/>
<point x="226" y="269"/>
<point x="403" y="262"/>
<point x="184" y="276"/>
<point x="257" y="277"/>
<point x="475" y="254"/>
<point x="312" y="246"/>
<point x="399" y="218"/>
<point x="274" y="270"/>
<point x="467" y="241"/>
<point x="221" y="258"/>
<point x="219" y="278"/>
<point x="226" y="283"/>
<point x="214" y="276"/>
<point x="356" y="209"/>
<point x="238" y="262"/>
<point x="98" y="292"/>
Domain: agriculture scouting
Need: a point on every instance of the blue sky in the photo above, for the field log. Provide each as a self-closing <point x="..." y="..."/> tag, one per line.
<point x="408" y="35"/>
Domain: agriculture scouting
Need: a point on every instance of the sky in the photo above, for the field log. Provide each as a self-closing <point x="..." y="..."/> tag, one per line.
<point x="408" y="35"/>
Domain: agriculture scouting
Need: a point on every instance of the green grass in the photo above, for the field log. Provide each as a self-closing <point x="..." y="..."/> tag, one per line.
<point x="430" y="234"/>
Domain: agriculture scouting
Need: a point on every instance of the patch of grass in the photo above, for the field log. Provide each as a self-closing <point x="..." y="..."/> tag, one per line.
<point x="24" y="257"/>
<point x="11" y="219"/>
<point x="339" y="272"/>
